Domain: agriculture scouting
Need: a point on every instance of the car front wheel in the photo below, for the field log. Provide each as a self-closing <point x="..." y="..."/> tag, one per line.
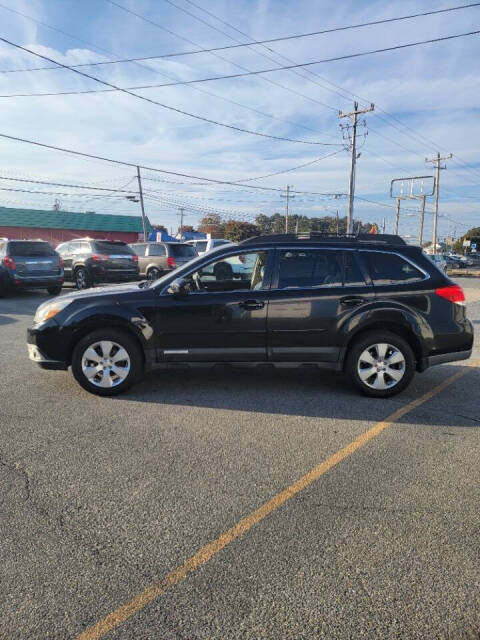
<point x="154" y="273"/>
<point x="107" y="362"/>
<point x="380" y="364"/>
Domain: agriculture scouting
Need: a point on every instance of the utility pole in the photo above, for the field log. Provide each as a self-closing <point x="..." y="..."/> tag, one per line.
<point x="383" y="226"/>
<point x="422" y="216"/>
<point x="144" y="225"/>
<point x="397" y="217"/>
<point x="437" y="164"/>
<point x="287" y="196"/>
<point x="353" y="115"/>
<point x="182" y="215"/>
<point x="338" y="228"/>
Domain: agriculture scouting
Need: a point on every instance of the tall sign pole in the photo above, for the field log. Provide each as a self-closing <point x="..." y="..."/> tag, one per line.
<point x="437" y="160"/>
<point x="141" y="204"/>
<point x="422" y="216"/>
<point x="353" y="115"/>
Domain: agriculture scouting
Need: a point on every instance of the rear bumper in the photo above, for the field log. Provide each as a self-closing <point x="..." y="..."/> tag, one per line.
<point x="441" y="358"/>
<point x="34" y="282"/>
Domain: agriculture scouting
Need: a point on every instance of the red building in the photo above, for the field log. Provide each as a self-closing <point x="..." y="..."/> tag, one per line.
<point x="59" y="226"/>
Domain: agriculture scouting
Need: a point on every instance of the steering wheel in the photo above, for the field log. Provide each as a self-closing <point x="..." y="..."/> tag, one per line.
<point x="197" y="282"/>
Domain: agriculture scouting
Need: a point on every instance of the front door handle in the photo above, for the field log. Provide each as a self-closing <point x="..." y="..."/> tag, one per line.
<point x="252" y="304"/>
<point x="352" y="301"/>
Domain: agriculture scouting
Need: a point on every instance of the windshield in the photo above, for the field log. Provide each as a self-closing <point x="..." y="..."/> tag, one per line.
<point x="30" y="249"/>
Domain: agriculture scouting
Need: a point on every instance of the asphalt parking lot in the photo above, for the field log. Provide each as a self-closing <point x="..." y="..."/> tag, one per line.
<point x="103" y="501"/>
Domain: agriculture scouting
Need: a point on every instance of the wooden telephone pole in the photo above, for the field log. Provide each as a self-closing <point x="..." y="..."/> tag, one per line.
<point x="353" y="115"/>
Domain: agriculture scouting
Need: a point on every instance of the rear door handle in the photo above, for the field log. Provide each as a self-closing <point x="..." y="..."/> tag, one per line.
<point x="252" y="304"/>
<point x="352" y="301"/>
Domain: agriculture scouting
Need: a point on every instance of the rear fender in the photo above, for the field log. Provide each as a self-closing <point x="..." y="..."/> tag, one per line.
<point x="410" y="325"/>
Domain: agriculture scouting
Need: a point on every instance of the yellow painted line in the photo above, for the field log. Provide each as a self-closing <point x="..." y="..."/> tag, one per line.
<point x="203" y="555"/>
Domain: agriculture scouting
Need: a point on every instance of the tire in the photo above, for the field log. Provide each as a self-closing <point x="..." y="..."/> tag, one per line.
<point x="54" y="291"/>
<point x="122" y="368"/>
<point x="82" y="278"/>
<point x="153" y="273"/>
<point x="395" y="358"/>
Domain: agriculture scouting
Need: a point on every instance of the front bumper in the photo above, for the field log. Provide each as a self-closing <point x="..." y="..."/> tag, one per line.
<point x="36" y="355"/>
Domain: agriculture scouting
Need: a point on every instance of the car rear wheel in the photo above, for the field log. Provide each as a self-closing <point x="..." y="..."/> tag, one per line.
<point x="153" y="273"/>
<point x="380" y="364"/>
<point x="82" y="278"/>
<point x="107" y="362"/>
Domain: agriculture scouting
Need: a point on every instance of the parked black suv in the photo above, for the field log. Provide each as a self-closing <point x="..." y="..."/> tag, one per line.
<point x="371" y="306"/>
<point x="29" y="264"/>
<point x="87" y="262"/>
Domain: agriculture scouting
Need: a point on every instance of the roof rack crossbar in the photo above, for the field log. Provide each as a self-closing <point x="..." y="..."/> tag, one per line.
<point x="315" y="236"/>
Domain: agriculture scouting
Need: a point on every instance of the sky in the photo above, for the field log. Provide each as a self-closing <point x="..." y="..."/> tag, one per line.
<point x="426" y="98"/>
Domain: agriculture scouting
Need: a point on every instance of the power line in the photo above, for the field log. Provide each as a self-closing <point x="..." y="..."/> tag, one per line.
<point x="56" y="193"/>
<point x="74" y="186"/>
<point x="231" y="46"/>
<point x="216" y="55"/>
<point x="155" y="169"/>
<point x="164" y="106"/>
<point x="195" y="88"/>
<point x="222" y="77"/>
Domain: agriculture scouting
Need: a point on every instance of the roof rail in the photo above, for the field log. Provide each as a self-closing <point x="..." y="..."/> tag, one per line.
<point x="315" y="236"/>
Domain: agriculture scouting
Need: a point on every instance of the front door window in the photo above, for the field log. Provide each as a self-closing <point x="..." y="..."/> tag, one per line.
<point x="241" y="272"/>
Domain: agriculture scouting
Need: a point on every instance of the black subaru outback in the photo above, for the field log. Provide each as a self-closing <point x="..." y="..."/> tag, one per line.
<point x="369" y="305"/>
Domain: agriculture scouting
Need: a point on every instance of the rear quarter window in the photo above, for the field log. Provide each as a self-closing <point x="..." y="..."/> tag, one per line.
<point x="390" y="268"/>
<point x="30" y="249"/>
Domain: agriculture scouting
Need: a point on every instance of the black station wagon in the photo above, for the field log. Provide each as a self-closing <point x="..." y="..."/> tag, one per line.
<point x="369" y="305"/>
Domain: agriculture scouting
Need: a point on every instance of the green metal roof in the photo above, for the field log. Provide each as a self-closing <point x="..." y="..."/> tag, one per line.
<point x="70" y="220"/>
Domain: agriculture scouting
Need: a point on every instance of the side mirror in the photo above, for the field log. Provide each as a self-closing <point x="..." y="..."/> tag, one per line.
<point x="179" y="288"/>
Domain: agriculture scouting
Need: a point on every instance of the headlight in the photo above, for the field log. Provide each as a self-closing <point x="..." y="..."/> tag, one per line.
<point x="49" y="310"/>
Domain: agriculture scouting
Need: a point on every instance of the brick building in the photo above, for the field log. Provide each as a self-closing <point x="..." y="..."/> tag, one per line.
<point x="59" y="226"/>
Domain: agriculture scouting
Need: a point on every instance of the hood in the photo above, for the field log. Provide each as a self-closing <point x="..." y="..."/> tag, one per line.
<point x="113" y="289"/>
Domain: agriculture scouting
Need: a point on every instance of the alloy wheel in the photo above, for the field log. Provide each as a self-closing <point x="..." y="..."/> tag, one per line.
<point x="381" y="366"/>
<point x="81" y="279"/>
<point x="105" y="364"/>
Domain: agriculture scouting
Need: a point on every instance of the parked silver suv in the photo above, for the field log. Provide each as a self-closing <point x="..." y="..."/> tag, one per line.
<point x="158" y="258"/>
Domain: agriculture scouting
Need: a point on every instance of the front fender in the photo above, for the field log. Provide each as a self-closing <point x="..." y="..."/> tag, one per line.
<point x="87" y="319"/>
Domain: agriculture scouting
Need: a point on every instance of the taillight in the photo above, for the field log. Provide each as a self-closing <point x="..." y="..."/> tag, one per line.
<point x="9" y="262"/>
<point x="452" y="293"/>
<point x="134" y="257"/>
<point x="60" y="263"/>
<point x="171" y="262"/>
<point x="99" y="257"/>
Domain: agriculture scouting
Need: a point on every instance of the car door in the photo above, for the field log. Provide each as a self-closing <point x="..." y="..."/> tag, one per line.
<point x="314" y="291"/>
<point x="224" y="317"/>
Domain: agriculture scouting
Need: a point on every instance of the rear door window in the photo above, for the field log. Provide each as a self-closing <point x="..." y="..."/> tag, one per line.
<point x="30" y="249"/>
<point x="353" y="276"/>
<point x="390" y="268"/>
<point x="201" y="246"/>
<point x="182" y="251"/>
<point x="310" y="268"/>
